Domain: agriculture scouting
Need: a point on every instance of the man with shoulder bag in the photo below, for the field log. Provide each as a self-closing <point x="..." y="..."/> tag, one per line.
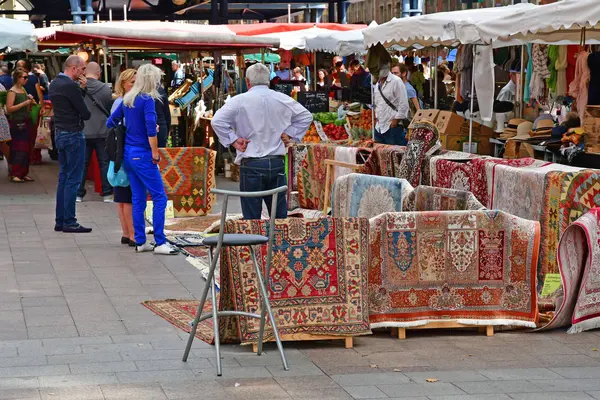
<point x="98" y="99"/>
<point x="391" y="108"/>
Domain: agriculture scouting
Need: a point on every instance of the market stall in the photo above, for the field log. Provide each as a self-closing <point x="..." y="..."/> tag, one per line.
<point x="17" y="35"/>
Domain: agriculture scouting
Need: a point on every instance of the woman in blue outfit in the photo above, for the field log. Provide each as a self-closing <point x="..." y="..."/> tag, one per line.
<point x="141" y="157"/>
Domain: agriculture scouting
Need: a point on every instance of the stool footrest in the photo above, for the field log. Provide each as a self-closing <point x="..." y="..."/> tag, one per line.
<point x="229" y="314"/>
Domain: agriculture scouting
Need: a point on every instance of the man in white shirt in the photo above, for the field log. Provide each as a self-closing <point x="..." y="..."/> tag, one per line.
<point x="178" y="75"/>
<point x="391" y="108"/>
<point x="254" y="123"/>
<point x="508" y="91"/>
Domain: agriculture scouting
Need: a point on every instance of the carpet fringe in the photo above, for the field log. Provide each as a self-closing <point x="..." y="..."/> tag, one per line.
<point x="466" y="322"/>
<point x="584" y="326"/>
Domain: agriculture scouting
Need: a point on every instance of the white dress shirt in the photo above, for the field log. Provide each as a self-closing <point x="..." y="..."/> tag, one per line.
<point x="394" y="90"/>
<point x="261" y="115"/>
<point x="508" y="92"/>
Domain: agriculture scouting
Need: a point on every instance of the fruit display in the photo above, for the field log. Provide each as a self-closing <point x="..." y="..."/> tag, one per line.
<point x="335" y="132"/>
<point x="311" y="135"/>
<point x="361" y="125"/>
<point x="326" y="117"/>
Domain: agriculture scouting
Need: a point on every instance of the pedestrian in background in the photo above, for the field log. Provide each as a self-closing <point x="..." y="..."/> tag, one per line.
<point x="98" y="99"/>
<point x="141" y="157"/>
<point x="66" y="93"/>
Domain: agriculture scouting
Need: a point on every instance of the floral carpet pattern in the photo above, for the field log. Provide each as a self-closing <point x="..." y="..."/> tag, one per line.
<point x="579" y="262"/>
<point x="317" y="278"/>
<point x="189" y="175"/>
<point x="471" y="267"/>
<point x="312" y="176"/>
<point x="366" y="196"/>
<point x="424" y="140"/>
<point x="429" y="198"/>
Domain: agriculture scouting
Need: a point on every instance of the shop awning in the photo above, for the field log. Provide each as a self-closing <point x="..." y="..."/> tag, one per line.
<point x="17" y="35"/>
<point x="439" y="29"/>
<point x="340" y="43"/>
<point x="152" y="35"/>
<point x="556" y="23"/>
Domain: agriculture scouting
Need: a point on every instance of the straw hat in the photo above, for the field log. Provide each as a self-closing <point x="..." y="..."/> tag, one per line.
<point x="511" y="130"/>
<point x="543" y="128"/>
<point x="523" y="130"/>
<point x="542" y="117"/>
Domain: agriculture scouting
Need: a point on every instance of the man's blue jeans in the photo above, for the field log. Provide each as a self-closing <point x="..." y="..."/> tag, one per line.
<point x="262" y="174"/>
<point x="71" y="158"/>
<point x="395" y="136"/>
<point x="144" y="176"/>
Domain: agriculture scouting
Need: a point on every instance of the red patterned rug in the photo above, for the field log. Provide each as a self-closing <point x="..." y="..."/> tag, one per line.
<point x="470" y="267"/>
<point x="189" y="175"/>
<point x="317" y="282"/>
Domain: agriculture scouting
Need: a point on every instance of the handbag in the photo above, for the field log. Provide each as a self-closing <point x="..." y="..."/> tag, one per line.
<point x="117" y="177"/>
<point x="43" y="140"/>
<point x="115" y="140"/>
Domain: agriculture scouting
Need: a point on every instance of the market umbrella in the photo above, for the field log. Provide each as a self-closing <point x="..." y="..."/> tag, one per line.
<point x="17" y="35"/>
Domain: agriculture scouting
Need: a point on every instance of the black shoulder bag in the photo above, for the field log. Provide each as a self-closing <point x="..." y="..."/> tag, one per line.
<point x="404" y="123"/>
<point x="115" y="140"/>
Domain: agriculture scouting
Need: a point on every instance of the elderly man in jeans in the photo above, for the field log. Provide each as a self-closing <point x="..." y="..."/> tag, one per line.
<point x="391" y="108"/>
<point x="256" y="123"/>
<point x="66" y="94"/>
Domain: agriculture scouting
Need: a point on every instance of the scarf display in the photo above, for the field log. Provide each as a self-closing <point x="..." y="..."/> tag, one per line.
<point x="561" y="71"/>
<point x="579" y="87"/>
<point x="539" y="53"/>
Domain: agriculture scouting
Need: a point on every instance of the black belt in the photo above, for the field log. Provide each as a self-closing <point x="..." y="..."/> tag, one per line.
<point x="244" y="160"/>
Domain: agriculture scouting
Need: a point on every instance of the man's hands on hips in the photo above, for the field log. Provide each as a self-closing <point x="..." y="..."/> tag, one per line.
<point x="241" y="144"/>
<point x="394" y="123"/>
<point x="286" y="139"/>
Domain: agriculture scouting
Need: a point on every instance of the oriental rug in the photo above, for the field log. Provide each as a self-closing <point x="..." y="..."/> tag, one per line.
<point x="366" y="196"/>
<point x="317" y="279"/>
<point x="425" y="139"/>
<point x="429" y="198"/>
<point x="447" y="155"/>
<point x="180" y="313"/>
<point x="482" y="174"/>
<point x="346" y="155"/>
<point x="312" y="176"/>
<point x="451" y="174"/>
<point x="189" y="175"/>
<point x="579" y="263"/>
<point x="471" y="267"/>
<point x="384" y="160"/>
<point x="567" y="196"/>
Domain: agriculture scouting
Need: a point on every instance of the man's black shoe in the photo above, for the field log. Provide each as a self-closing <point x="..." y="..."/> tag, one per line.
<point x="58" y="228"/>
<point x="76" y="229"/>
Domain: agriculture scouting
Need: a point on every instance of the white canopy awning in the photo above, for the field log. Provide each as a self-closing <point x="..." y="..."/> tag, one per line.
<point x="556" y="23"/>
<point x="439" y="29"/>
<point x="18" y="35"/>
<point x="340" y="43"/>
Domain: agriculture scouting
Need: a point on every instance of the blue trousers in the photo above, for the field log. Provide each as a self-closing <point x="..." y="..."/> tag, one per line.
<point x="262" y="174"/>
<point x="144" y="177"/>
<point x="395" y="136"/>
<point x="71" y="158"/>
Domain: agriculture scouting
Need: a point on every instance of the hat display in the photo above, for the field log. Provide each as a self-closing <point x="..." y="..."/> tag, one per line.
<point x="523" y="130"/>
<point x="511" y="130"/>
<point x="542" y="129"/>
<point x="542" y="117"/>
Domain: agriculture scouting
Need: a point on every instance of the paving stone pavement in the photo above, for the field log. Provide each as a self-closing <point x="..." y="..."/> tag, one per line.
<point x="72" y="327"/>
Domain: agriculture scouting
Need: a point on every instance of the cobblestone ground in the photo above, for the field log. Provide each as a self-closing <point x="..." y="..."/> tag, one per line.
<point x="72" y="327"/>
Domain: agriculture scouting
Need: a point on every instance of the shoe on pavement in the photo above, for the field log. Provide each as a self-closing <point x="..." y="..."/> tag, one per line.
<point x="144" y="248"/>
<point x="58" y="228"/>
<point x="109" y="199"/>
<point x="76" y="229"/>
<point x="165" y="249"/>
<point x="79" y="199"/>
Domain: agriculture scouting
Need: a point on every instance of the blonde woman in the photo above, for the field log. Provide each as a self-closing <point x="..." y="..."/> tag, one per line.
<point x="141" y="156"/>
<point x="122" y="195"/>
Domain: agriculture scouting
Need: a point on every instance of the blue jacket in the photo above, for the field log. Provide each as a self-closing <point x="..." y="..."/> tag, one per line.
<point x="141" y="121"/>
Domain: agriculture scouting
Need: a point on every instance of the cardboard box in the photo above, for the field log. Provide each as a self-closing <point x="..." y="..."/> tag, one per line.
<point x="430" y="115"/>
<point x="461" y="142"/>
<point x="449" y="123"/>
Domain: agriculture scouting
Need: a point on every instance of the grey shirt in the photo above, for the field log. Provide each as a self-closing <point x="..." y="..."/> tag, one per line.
<point x="95" y="127"/>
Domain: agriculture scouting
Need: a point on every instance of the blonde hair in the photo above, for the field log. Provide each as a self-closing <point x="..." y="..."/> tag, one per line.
<point x="146" y="82"/>
<point x="125" y="76"/>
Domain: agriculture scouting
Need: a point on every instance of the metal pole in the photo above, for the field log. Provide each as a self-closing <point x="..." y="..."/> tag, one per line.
<point x="316" y="74"/>
<point x="522" y="85"/>
<point x="373" y="111"/>
<point x="472" y="102"/>
<point x="126" y="60"/>
<point x="124" y="12"/>
<point x="104" y="56"/>
<point x="110" y="14"/>
<point x="430" y="77"/>
<point x="435" y="82"/>
<point x="289" y="13"/>
<point x="262" y="55"/>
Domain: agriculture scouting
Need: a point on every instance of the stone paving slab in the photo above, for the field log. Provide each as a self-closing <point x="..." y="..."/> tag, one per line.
<point x="72" y="327"/>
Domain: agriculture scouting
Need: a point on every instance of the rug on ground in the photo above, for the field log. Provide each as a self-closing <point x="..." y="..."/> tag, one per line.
<point x="579" y="263"/>
<point x="189" y="175"/>
<point x="471" y="267"/>
<point x="317" y="279"/>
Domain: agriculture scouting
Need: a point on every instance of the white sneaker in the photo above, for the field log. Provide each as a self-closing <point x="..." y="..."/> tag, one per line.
<point x="79" y="199"/>
<point x="144" y="248"/>
<point x="165" y="249"/>
<point x="109" y="199"/>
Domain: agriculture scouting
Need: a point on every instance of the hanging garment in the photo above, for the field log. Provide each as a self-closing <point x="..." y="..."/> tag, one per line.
<point x="594" y="87"/>
<point x="526" y="91"/>
<point x="552" y="56"/>
<point x="540" y="70"/>
<point x="572" y="51"/>
<point x="483" y="75"/>
<point x="561" y="71"/>
<point x="466" y="71"/>
<point x="579" y="87"/>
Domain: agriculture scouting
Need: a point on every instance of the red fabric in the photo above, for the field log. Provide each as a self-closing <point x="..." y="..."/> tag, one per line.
<point x="572" y="52"/>
<point x="93" y="173"/>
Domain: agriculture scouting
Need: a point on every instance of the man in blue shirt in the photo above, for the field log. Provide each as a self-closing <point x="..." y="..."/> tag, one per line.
<point x="179" y="75"/>
<point x="5" y="78"/>
<point x="66" y="94"/>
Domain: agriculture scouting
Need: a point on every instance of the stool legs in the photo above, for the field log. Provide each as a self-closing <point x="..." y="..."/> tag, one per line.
<point x="267" y="305"/>
<point x="209" y="280"/>
<point x="215" y="316"/>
